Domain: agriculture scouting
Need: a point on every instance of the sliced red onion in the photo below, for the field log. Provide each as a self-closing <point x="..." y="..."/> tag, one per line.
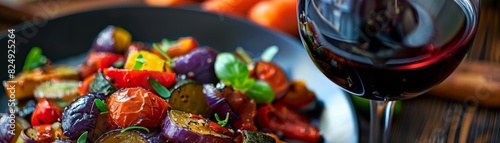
<point x="219" y="104"/>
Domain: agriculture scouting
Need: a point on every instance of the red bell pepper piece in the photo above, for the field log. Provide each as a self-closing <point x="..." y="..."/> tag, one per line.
<point x="46" y="112"/>
<point x="98" y="60"/>
<point x="125" y="78"/>
<point x="293" y="125"/>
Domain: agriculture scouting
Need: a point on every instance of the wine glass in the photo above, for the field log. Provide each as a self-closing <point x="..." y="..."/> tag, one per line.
<point x="387" y="50"/>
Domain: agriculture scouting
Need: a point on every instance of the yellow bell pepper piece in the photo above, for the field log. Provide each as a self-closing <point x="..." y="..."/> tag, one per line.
<point x="152" y="62"/>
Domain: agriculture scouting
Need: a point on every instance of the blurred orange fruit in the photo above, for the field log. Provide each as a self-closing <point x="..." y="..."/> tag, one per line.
<point x="238" y="8"/>
<point x="170" y="2"/>
<point x="280" y="15"/>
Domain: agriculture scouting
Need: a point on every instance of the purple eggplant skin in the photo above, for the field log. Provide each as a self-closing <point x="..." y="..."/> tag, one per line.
<point x="7" y="129"/>
<point x="80" y="116"/>
<point x="183" y="133"/>
<point x="198" y="65"/>
<point x="153" y="136"/>
<point x="219" y="104"/>
<point x="106" y="42"/>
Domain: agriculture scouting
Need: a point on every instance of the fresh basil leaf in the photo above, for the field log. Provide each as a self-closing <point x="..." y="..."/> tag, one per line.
<point x="34" y="59"/>
<point x="245" y="85"/>
<point x="269" y="53"/>
<point x="139" y="62"/>
<point x="83" y="137"/>
<point x="230" y="70"/>
<point x="162" y="90"/>
<point x="101" y="106"/>
<point x="260" y="92"/>
<point x="134" y="127"/>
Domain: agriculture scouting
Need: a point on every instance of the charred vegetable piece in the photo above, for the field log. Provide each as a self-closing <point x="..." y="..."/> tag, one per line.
<point x="272" y="74"/>
<point x="180" y="126"/>
<point x="10" y="131"/>
<point x="46" y="112"/>
<point x="27" y="81"/>
<point x="197" y="65"/>
<point x="101" y="85"/>
<point x="42" y="133"/>
<point x="297" y="96"/>
<point x="132" y="136"/>
<point x="188" y="96"/>
<point x="293" y="125"/>
<point x="81" y="115"/>
<point x="246" y="136"/>
<point x="65" y="90"/>
<point x="124" y="78"/>
<point x="219" y="104"/>
<point x="136" y="107"/>
<point x="112" y="39"/>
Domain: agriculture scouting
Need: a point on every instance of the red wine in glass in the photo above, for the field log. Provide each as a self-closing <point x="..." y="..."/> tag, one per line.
<point x="384" y="53"/>
<point x="387" y="50"/>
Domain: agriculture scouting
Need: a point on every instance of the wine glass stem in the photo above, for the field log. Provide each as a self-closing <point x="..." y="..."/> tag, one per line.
<point x="380" y="120"/>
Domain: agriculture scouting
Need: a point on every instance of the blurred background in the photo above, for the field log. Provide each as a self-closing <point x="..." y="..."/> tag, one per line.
<point x="464" y="108"/>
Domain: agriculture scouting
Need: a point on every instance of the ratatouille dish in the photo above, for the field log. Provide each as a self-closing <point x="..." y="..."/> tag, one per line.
<point x="167" y="91"/>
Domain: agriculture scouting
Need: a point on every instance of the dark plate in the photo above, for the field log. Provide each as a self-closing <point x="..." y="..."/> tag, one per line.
<point x="67" y="39"/>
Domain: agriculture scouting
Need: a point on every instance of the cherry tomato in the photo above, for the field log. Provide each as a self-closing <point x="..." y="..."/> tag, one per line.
<point x="292" y="124"/>
<point x="136" y="107"/>
<point x="46" y="112"/>
<point x="272" y="74"/>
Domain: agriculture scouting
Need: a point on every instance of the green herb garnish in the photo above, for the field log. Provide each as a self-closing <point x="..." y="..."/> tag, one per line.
<point x="83" y="137"/>
<point x="134" y="127"/>
<point x="269" y="53"/>
<point x="162" y="90"/>
<point x="165" y="45"/>
<point x="101" y="105"/>
<point x="261" y="92"/>
<point x="235" y="73"/>
<point x="139" y="62"/>
<point x="34" y="59"/>
<point x="222" y="122"/>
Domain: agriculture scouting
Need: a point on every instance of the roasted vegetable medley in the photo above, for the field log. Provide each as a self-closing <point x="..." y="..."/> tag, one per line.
<point x="166" y="91"/>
